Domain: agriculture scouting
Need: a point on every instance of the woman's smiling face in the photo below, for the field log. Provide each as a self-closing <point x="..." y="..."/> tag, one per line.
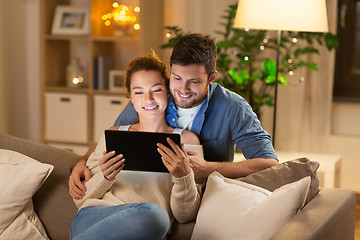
<point x="148" y="93"/>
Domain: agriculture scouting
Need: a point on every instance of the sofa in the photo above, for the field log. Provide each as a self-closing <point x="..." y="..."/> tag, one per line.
<point x="330" y="214"/>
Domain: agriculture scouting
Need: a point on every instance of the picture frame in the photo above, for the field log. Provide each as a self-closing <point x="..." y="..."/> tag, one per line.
<point x="117" y="80"/>
<point x="70" y="20"/>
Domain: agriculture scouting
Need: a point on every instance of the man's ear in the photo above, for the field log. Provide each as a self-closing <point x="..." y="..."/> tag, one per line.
<point x="213" y="76"/>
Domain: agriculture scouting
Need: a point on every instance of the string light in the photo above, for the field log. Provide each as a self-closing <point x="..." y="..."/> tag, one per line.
<point x="290" y="61"/>
<point x="262" y="48"/>
<point x="123" y="16"/>
<point x="246" y="58"/>
<point x="168" y="35"/>
<point x="294" y="40"/>
<point x="291" y="73"/>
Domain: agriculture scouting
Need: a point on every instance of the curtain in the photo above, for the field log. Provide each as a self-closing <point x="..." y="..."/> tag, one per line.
<point x="304" y="108"/>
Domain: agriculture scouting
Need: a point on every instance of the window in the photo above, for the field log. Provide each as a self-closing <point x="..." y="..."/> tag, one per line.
<point x="347" y="66"/>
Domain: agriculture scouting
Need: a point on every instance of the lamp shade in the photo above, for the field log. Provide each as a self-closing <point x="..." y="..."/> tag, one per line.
<point x="287" y="15"/>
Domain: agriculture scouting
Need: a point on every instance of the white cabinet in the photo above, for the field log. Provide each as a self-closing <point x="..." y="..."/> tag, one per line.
<point x="106" y="109"/>
<point x="66" y="117"/>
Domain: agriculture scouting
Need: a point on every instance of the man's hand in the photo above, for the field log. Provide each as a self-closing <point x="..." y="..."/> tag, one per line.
<point x="201" y="168"/>
<point x="175" y="161"/>
<point x="76" y="188"/>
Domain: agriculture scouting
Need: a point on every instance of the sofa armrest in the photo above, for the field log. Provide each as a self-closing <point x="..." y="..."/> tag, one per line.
<point x="330" y="215"/>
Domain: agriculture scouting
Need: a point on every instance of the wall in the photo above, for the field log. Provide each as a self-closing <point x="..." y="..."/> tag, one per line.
<point x="345" y="141"/>
<point x="20" y="67"/>
<point x="3" y="103"/>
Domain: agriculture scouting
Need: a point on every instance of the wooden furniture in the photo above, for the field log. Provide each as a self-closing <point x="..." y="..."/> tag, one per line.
<point x="73" y="118"/>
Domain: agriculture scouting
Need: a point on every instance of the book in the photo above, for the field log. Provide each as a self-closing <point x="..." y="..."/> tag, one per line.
<point x="104" y="65"/>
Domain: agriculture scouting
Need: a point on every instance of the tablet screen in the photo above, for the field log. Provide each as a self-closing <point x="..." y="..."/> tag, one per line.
<point x="139" y="148"/>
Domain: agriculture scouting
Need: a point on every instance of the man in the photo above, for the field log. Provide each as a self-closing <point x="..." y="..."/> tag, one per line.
<point x="218" y="116"/>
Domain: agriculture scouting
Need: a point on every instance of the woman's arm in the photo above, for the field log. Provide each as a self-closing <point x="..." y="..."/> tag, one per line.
<point x="185" y="194"/>
<point x="99" y="184"/>
<point x="185" y="198"/>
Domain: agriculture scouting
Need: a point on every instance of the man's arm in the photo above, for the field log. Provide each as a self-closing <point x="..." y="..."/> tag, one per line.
<point x="202" y="169"/>
<point x="79" y="173"/>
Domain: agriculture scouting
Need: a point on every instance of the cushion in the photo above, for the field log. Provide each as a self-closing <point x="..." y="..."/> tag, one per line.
<point x="232" y="209"/>
<point x="52" y="202"/>
<point x="287" y="172"/>
<point x="20" y="178"/>
<point x="29" y="223"/>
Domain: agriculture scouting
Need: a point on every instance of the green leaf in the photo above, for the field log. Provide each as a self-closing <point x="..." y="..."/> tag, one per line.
<point x="270" y="79"/>
<point x="312" y="66"/>
<point x="269" y="67"/>
<point x="282" y="80"/>
<point x="238" y="77"/>
<point x="305" y="50"/>
<point x="332" y="41"/>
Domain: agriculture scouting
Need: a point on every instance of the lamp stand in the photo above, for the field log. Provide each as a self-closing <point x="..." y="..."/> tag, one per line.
<point x="276" y="83"/>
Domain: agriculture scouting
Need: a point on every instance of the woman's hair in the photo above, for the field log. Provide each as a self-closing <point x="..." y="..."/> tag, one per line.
<point x="147" y="63"/>
<point x="195" y="49"/>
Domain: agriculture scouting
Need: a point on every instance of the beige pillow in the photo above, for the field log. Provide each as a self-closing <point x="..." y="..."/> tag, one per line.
<point x="20" y="178"/>
<point x="285" y="173"/>
<point x="232" y="209"/>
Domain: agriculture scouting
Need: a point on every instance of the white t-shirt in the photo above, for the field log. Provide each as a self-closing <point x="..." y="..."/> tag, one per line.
<point x="186" y="116"/>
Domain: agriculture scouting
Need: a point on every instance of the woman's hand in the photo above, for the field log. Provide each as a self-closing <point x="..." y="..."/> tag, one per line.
<point x="110" y="165"/>
<point x="175" y="161"/>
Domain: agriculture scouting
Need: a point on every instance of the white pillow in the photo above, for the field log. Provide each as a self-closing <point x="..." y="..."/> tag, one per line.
<point x="232" y="209"/>
<point x="20" y="178"/>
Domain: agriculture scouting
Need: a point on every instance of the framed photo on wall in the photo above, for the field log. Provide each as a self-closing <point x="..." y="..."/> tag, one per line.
<point x="69" y="20"/>
<point x="117" y="80"/>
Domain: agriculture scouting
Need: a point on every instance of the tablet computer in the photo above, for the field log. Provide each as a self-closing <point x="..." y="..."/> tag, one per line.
<point x="139" y="148"/>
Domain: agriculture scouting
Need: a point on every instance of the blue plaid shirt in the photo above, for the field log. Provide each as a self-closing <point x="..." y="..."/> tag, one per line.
<point x="224" y="119"/>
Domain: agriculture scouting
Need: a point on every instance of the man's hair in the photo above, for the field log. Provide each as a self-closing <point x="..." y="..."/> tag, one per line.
<point x="147" y="63"/>
<point x="195" y="49"/>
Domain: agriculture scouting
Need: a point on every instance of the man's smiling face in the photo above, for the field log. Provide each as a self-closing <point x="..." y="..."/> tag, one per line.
<point x="189" y="84"/>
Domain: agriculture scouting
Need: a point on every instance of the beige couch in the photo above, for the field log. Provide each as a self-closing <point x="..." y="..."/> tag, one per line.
<point x="329" y="215"/>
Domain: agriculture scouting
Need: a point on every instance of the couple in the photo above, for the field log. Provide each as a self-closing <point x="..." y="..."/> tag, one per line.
<point x="217" y="116"/>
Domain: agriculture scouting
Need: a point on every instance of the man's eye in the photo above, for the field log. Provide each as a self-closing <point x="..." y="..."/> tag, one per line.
<point x="195" y="82"/>
<point x="138" y="93"/>
<point x="157" y="90"/>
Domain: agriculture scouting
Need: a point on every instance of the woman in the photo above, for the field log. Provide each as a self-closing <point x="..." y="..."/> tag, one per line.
<point x="137" y="205"/>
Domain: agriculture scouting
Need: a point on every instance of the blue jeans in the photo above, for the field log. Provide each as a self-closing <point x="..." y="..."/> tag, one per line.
<point x="143" y="220"/>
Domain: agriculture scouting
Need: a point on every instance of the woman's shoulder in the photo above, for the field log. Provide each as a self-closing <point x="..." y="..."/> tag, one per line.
<point x="188" y="137"/>
<point x="122" y="128"/>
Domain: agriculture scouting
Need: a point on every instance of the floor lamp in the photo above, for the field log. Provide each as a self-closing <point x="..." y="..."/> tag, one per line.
<point x="281" y="15"/>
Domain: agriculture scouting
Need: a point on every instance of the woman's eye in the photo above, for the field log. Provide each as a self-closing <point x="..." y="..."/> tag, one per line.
<point x="157" y="90"/>
<point x="138" y="93"/>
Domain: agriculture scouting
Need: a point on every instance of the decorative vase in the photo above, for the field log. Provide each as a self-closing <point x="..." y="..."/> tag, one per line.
<point x="75" y="74"/>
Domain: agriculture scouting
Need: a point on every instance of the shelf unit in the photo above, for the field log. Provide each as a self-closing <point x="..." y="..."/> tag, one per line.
<point x="60" y="123"/>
